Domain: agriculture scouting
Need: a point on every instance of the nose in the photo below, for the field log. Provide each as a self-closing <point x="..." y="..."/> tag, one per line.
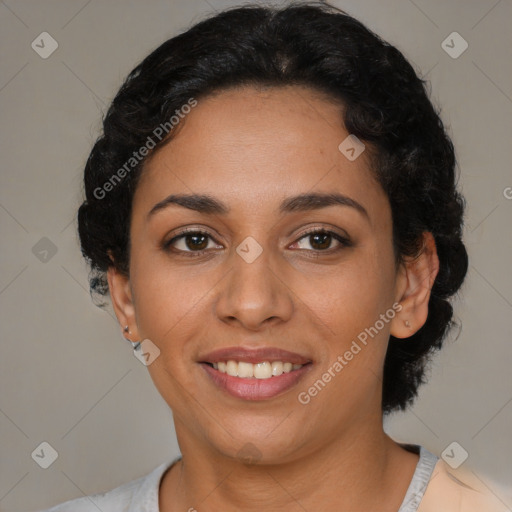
<point x="254" y="295"/>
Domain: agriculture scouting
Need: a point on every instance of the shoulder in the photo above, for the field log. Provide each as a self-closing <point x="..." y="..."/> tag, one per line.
<point x="141" y="493"/>
<point x="458" y="491"/>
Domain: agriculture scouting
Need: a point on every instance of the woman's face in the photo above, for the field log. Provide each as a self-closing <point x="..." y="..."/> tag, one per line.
<point x="256" y="281"/>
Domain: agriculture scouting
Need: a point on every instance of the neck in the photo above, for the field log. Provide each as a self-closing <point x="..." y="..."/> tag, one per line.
<point x="361" y="470"/>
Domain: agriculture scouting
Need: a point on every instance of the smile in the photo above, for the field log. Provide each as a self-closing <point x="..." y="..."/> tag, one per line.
<point x="263" y="370"/>
<point x="254" y="373"/>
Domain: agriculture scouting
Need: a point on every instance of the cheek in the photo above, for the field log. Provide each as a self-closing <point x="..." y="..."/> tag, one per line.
<point x="350" y="301"/>
<point x="349" y="297"/>
<point x="169" y="306"/>
<point x="168" y="299"/>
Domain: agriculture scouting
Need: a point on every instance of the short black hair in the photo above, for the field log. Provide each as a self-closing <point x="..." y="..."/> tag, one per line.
<point x="385" y="104"/>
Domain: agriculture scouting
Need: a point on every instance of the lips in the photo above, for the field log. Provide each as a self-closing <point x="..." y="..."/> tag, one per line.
<point x="257" y="385"/>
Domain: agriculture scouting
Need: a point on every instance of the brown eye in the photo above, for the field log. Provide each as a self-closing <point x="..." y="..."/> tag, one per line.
<point x="192" y="241"/>
<point x="322" y="241"/>
<point x="196" y="242"/>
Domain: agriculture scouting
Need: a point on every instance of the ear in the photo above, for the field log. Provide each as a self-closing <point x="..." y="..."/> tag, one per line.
<point x="415" y="279"/>
<point x="122" y="301"/>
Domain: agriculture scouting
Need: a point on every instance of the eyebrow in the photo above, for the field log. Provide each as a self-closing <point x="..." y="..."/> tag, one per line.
<point x="304" y="202"/>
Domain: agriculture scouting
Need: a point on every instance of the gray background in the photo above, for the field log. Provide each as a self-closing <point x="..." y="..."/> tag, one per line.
<point x="67" y="376"/>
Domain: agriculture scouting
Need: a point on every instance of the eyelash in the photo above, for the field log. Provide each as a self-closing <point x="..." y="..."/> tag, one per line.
<point x="343" y="241"/>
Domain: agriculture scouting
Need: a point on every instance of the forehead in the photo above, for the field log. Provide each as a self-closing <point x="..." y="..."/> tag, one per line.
<point x="250" y="146"/>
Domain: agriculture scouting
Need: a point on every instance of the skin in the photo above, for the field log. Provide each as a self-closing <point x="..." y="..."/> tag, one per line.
<point x="251" y="148"/>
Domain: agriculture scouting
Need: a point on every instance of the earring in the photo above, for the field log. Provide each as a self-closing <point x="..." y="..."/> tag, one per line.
<point x="407" y="324"/>
<point x="135" y="344"/>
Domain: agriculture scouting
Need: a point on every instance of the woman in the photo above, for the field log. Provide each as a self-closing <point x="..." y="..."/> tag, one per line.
<point x="272" y="210"/>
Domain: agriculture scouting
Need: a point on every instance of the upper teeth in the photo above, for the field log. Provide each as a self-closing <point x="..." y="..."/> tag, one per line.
<point x="263" y="370"/>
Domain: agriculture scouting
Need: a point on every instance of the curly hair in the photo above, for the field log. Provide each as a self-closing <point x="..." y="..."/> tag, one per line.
<point x="384" y="103"/>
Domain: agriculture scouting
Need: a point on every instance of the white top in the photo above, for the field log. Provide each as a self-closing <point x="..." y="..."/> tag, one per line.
<point x="433" y="485"/>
